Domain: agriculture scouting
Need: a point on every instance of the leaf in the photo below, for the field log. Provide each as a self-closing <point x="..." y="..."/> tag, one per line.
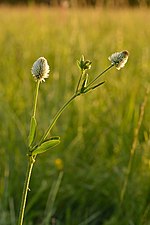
<point x="84" y="82"/>
<point x="33" y="126"/>
<point x="98" y="85"/>
<point x="84" y="65"/>
<point x="46" y="145"/>
<point x="93" y="87"/>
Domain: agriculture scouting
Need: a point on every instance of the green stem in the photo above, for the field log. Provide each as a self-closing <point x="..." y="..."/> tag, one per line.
<point x="36" y="97"/>
<point x="100" y="75"/>
<point x="29" y="168"/>
<point x="25" y="190"/>
<point x="57" y="116"/>
<point x="67" y="103"/>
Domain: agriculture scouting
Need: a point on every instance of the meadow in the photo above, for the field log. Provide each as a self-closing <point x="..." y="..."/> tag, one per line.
<point x="80" y="181"/>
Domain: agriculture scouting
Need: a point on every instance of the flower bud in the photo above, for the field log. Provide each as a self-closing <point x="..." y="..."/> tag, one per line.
<point x="84" y="65"/>
<point x="119" y="59"/>
<point x="40" y="69"/>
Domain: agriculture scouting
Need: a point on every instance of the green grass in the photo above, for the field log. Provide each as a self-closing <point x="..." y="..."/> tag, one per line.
<point x="97" y="130"/>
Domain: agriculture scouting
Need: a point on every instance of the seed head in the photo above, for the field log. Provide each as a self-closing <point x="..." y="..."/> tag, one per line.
<point x="40" y="69"/>
<point x="119" y="59"/>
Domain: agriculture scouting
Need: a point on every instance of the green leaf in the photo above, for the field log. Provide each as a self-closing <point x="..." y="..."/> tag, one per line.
<point x="93" y="87"/>
<point x="97" y="85"/>
<point x="80" y="63"/>
<point x="84" y="82"/>
<point x="46" y="145"/>
<point x="87" y="65"/>
<point x="33" y="125"/>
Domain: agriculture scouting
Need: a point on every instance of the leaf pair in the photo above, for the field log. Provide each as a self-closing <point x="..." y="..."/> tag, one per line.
<point x="45" y="145"/>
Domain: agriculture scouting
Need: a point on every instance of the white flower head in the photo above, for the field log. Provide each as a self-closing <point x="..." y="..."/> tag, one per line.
<point x="119" y="59"/>
<point x="40" y="69"/>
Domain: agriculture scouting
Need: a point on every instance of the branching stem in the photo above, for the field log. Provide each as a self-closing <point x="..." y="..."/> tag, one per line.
<point x="89" y="84"/>
<point x="57" y="116"/>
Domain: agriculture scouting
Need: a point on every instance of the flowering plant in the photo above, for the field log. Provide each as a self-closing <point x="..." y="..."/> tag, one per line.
<point x="40" y="71"/>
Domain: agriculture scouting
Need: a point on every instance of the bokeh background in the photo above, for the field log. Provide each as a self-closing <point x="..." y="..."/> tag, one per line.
<point x="80" y="181"/>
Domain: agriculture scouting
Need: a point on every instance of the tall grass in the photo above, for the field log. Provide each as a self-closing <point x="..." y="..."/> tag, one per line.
<point x="97" y="130"/>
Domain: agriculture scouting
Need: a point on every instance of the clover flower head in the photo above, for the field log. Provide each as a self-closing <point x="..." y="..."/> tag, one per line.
<point x="119" y="59"/>
<point x="40" y="69"/>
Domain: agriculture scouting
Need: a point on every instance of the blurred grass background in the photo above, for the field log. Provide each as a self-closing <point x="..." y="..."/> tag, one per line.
<point x="97" y="129"/>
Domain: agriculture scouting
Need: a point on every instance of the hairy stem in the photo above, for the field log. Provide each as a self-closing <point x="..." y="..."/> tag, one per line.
<point x="25" y="190"/>
<point x="36" y="97"/>
<point x="29" y="168"/>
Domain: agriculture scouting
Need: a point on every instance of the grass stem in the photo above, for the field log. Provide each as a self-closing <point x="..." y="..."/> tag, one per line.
<point x="133" y="148"/>
<point x="52" y="198"/>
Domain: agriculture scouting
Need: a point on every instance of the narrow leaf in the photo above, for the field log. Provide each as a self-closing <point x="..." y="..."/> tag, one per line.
<point x="84" y="82"/>
<point x="93" y="87"/>
<point x="98" y="85"/>
<point x="46" y="145"/>
<point x="33" y="125"/>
